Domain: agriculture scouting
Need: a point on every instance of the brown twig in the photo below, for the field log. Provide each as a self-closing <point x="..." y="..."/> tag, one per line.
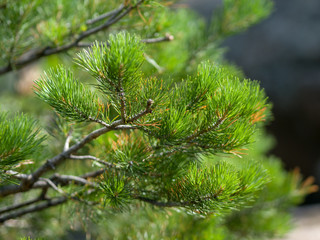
<point x="160" y="204"/>
<point x="37" y="207"/>
<point x="166" y="38"/>
<point x="46" y="203"/>
<point x="105" y="15"/>
<point x="206" y="130"/>
<point x="84" y="157"/>
<point x="142" y="113"/>
<point x="19" y="205"/>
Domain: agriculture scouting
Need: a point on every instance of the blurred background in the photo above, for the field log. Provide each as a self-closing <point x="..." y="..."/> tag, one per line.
<point x="283" y="53"/>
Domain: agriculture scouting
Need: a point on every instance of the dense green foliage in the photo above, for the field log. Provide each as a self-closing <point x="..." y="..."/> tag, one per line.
<point x="19" y="139"/>
<point x="149" y="139"/>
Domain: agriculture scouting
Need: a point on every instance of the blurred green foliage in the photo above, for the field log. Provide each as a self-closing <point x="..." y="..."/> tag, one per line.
<point x="261" y="211"/>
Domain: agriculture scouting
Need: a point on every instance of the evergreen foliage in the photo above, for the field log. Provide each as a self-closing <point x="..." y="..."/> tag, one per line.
<point x="158" y="135"/>
<point x="19" y="138"/>
<point x="70" y="98"/>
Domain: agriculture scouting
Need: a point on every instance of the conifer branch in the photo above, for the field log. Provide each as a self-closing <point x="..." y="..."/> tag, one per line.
<point x="92" y="119"/>
<point x="67" y="142"/>
<point x="123" y="106"/>
<point x="17" y="175"/>
<point x="105" y="15"/>
<point x="98" y="121"/>
<point x="110" y="22"/>
<point x="26" y="203"/>
<point x="203" y="131"/>
<point x="85" y="157"/>
<point x="168" y="37"/>
<point x="47" y="203"/>
<point x="57" y="178"/>
<point x="64" y="179"/>
<point x="36" y="54"/>
<point x="52" y="163"/>
<point x="160" y="204"/>
<point x="94" y="173"/>
<point x="52" y="185"/>
<point x="142" y="113"/>
<point x="37" y="207"/>
<point x="18" y="205"/>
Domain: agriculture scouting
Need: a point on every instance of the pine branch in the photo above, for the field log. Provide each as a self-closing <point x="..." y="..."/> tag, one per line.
<point x="142" y="113"/>
<point x="64" y="179"/>
<point x="26" y="203"/>
<point x="92" y="119"/>
<point x="37" y="207"/>
<point x="47" y="203"/>
<point x="55" y="161"/>
<point x="167" y="38"/>
<point x="94" y="173"/>
<point x="17" y="175"/>
<point x="52" y="185"/>
<point x="85" y="157"/>
<point x="112" y="13"/>
<point x="34" y="55"/>
<point x="159" y="204"/>
<point x="52" y="163"/>
<point x="123" y="107"/>
<point x="206" y="130"/>
<point x="67" y="142"/>
<point x="19" y="205"/>
<point x="106" y="25"/>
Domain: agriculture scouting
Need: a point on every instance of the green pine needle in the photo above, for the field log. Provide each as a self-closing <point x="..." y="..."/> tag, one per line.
<point x="19" y="138"/>
<point x="70" y="98"/>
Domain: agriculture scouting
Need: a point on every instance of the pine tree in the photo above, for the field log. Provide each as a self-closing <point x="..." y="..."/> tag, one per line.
<point x="159" y="132"/>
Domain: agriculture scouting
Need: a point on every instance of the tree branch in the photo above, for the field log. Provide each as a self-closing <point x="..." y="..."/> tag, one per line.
<point x="67" y="142"/>
<point x="168" y="37"/>
<point x="50" y="164"/>
<point x="62" y="180"/>
<point x="17" y="175"/>
<point x="203" y="131"/>
<point x="37" y="207"/>
<point x="105" y="15"/>
<point x="47" y="203"/>
<point x="36" y="54"/>
<point x="159" y="204"/>
<point x="122" y="98"/>
<point x="142" y="113"/>
<point x="98" y="121"/>
<point x="84" y="157"/>
<point x="26" y="203"/>
<point x="19" y="205"/>
<point x="70" y="178"/>
<point x="94" y="173"/>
